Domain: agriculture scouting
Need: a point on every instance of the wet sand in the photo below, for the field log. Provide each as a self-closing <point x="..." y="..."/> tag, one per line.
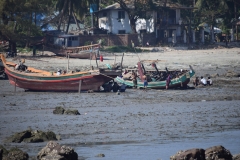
<point x="136" y="124"/>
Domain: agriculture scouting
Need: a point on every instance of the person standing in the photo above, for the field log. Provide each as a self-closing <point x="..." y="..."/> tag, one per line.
<point x="134" y="78"/>
<point x="196" y="82"/>
<point x="145" y="82"/>
<point x="168" y="81"/>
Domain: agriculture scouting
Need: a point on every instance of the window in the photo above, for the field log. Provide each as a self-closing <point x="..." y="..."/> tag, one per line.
<point x="104" y="14"/>
<point x="103" y="22"/>
<point x="121" y="14"/>
<point x="73" y="38"/>
<point x="121" y="31"/>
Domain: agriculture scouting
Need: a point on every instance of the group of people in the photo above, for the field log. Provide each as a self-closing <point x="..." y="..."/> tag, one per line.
<point x="134" y="77"/>
<point x="20" y="66"/>
<point x="60" y="72"/>
<point x="114" y="86"/>
<point x="202" y="81"/>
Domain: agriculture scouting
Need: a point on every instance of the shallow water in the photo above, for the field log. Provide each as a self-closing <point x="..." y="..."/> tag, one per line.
<point x="160" y="150"/>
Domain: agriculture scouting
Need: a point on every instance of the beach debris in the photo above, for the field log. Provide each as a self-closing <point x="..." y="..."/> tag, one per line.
<point x="12" y="154"/>
<point x="217" y="152"/>
<point x="195" y="153"/>
<point x="214" y="75"/>
<point x="61" y="110"/>
<point x="90" y="91"/>
<point x="231" y="74"/>
<point x="32" y="136"/>
<point x="54" y="150"/>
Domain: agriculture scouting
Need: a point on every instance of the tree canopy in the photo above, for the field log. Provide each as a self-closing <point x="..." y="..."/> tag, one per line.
<point x="22" y="20"/>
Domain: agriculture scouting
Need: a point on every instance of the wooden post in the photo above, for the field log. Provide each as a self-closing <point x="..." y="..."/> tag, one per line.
<point x="96" y="55"/>
<point x="43" y="50"/>
<point x="80" y="86"/>
<point x="122" y="62"/>
<point x="15" y="86"/>
<point x="115" y="59"/>
<point x="91" y="53"/>
<point x="68" y="62"/>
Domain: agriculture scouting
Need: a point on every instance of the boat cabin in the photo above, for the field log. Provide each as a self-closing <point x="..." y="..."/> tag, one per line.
<point x="67" y="40"/>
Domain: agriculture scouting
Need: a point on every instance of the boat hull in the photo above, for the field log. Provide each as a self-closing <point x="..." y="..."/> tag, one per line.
<point x="81" y="55"/>
<point x="88" y="82"/>
<point x="181" y="81"/>
<point x="84" y="52"/>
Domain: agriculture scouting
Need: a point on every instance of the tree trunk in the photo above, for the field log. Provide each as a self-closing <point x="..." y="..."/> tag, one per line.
<point x="133" y="25"/>
<point x="69" y="16"/>
<point x="62" y="13"/>
<point x="75" y="19"/>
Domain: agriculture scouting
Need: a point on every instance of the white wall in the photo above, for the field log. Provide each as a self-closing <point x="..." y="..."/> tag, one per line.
<point x="147" y="24"/>
<point x="60" y="42"/>
<point x="113" y="25"/>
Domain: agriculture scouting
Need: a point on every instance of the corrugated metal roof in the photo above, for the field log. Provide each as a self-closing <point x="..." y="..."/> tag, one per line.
<point x="130" y="4"/>
<point x="117" y="6"/>
<point x="168" y="4"/>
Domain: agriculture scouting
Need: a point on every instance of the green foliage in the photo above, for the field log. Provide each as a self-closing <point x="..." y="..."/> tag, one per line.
<point x="121" y="49"/>
<point x="24" y="50"/>
<point x="87" y="43"/>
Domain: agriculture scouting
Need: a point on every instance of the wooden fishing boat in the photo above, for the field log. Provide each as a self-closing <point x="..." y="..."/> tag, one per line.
<point x="157" y="78"/>
<point x="40" y="80"/>
<point x="82" y="52"/>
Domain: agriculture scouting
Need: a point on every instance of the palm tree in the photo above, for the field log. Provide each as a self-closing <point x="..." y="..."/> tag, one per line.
<point x="210" y="10"/>
<point x="72" y="8"/>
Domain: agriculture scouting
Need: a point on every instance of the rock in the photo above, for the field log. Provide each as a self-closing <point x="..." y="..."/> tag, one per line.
<point x="217" y="153"/>
<point x="58" y="110"/>
<point x="71" y="112"/>
<point x="61" y="110"/>
<point x="236" y="157"/>
<point x="190" y="154"/>
<point x="30" y="136"/>
<point x="54" y="151"/>
<point x="1" y="154"/>
<point x="15" y="154"/>
<point x="100" y="155"/>
<point x="3" y="151"/>
<point x="18" y="137"/>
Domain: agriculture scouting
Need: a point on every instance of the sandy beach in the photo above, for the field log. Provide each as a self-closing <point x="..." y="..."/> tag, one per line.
<point x="136" y="124"/>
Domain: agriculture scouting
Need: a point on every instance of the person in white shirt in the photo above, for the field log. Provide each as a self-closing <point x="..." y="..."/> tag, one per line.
<point x="203" y="81"/>
<point x="209" y="81"/>
<point x="59" y="72"/>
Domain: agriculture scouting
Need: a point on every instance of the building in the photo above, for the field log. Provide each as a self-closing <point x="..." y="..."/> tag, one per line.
<point x="165" y="24"/>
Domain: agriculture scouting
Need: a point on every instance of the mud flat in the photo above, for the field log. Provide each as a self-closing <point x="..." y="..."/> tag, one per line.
<point x="136" y="124"/>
